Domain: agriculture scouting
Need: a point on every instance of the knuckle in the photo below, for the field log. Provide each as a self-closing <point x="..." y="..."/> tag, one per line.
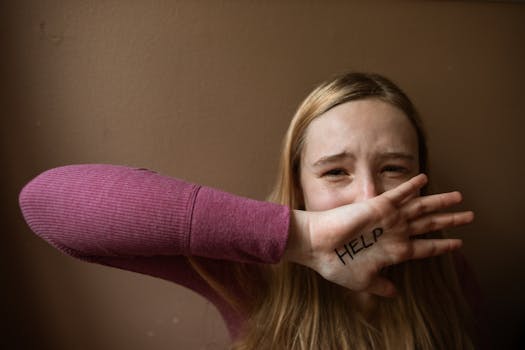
<point x="454" y="220"/>
<point x="432" y="224"/>
<point x="420" y="207"/>
<point x="432" y="249"/>
<point x="442" y="201"/>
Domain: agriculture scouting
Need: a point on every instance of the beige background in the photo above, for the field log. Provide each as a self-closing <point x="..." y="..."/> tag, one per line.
<point x="204" y="90"/>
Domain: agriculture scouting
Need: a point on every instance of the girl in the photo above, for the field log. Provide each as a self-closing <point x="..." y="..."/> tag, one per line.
<point x="335" y="262"/>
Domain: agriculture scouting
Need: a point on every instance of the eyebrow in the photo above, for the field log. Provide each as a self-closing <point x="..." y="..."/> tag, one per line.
<point x="344" y="155"/>
<point x="332" y="158"/>
<point x="397" y="155"/>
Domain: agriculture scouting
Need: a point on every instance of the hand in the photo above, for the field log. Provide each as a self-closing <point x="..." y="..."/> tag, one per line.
<point x="349" y="245"/>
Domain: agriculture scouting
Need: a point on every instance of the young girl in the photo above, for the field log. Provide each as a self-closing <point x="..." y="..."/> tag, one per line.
<point x="348" y="255"/>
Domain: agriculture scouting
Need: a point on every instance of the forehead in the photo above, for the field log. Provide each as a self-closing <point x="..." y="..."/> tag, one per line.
<point x="362" y="127"/>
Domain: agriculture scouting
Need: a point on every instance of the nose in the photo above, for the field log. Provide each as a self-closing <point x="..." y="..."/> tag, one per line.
<point x="366" y="188"/>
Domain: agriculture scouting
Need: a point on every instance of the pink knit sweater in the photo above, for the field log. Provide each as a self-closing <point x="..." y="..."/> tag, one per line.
<point x="138" y="220"/>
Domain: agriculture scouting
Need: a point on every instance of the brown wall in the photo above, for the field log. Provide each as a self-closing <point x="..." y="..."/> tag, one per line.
<point x="204" y="90"/>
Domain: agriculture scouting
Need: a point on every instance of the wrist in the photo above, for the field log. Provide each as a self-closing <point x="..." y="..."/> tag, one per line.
<point x="298" y="233"/>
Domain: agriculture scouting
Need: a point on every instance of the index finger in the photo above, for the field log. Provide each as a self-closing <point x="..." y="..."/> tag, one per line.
<point x="403" y="191"/>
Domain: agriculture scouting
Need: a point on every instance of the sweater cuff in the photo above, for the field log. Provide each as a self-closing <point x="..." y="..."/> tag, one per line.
<point x="229" y="227"/>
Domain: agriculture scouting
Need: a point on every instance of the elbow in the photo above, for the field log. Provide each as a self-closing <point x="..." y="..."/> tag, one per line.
<point x="35" y="198"/>
<point x="32" y="201"/>
<point x="44" y="212"/>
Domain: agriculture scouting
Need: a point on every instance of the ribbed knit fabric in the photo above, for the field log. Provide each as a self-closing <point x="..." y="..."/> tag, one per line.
<point x="138" y="220"/>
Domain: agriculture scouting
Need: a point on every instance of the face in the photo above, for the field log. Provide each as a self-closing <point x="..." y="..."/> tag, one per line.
<point x="356" y="151"/>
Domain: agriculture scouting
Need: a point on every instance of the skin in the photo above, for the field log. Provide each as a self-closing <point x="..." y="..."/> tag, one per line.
<point x="378" y="151"/>
<point x="354" y="152"/>
<point x="371" y="182"/>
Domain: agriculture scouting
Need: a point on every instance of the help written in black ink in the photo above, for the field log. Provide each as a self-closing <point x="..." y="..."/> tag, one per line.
<point x="358" y="244"/>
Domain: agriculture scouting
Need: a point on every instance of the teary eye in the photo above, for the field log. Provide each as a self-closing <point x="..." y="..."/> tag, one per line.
<point x="335" y="172"/>
<point x="394" y="169"/>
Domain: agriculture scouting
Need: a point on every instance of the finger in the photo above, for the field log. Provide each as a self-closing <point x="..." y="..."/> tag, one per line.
<point x="428" y="204"/>
<point x="425" y="248"/>
<point x="382" y="287"/>
<point x="437" y="222"/>
<point x="401" y="192"/>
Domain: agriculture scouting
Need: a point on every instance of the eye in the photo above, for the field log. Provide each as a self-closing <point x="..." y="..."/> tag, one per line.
<point x="335" y="172"/>
<point x="394" y="169"/>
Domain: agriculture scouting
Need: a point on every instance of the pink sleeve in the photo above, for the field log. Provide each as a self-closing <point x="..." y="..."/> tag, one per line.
<point x="91" y="211"/>
<point x="138" y="220"/>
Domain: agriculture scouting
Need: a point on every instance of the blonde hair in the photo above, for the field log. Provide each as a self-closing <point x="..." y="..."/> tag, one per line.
<point x="297" y="309"/>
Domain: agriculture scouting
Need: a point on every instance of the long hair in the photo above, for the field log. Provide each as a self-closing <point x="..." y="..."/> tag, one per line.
<point x="300" y="310"/>
<point x="297" y="309"/>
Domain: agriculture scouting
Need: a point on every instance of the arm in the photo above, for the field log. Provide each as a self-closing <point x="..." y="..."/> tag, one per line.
<point x="110" y="214"/>
<point x="94" y="211"/>
<point x="137" y="220"/>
